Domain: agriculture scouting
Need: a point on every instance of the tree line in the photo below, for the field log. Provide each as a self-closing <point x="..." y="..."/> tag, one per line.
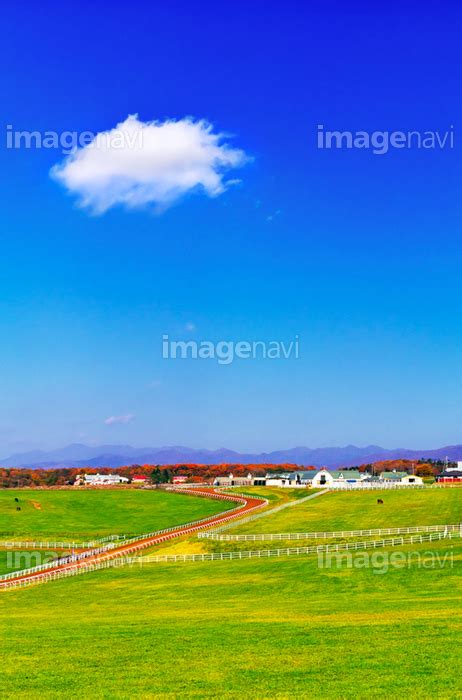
<point x="158" y="474"/>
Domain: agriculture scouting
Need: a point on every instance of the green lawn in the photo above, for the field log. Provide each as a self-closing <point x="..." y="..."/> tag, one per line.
<point x="357" y="510"/>
<point x="14" y="560"/>
<point x="82" y="514"/>
<point x="276" y="495"/>
<point x="243" y="629"/>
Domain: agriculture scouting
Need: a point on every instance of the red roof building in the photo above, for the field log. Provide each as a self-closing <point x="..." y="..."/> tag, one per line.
<point x="179" y="479"/>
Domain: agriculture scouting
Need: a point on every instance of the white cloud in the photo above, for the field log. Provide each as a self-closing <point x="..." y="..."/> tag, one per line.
<point x="117" y="420"/>
<point x="140" y="164"/>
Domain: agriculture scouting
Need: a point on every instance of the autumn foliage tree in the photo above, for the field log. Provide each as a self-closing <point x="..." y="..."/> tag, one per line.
<point x="158" y="474"/>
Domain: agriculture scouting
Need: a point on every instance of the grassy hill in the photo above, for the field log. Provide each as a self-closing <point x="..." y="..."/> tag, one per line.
<point x="260" y="628"/>
<point x="357" y="510"/>
<point x="269" y="628"/>
<point x="82" y="514"/>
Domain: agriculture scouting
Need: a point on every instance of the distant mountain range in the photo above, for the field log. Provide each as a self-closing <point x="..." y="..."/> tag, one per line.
<point x="120" y="455"/>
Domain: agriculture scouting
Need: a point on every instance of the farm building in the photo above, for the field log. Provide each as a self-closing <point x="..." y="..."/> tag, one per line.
<point x="101" y="479"/>
<point x="325" y="478"/>
<point x="179" y="479"/>
<point x="450" y="476"/>
<point x="231" y="480"/>
<point x="392" y="476"/>
<point x="412" y="479"/>
<point x="322" y="478"/>
<point x="291" y="479"/>
<point x="402" y="478"/>
<point x="316" y="478"/>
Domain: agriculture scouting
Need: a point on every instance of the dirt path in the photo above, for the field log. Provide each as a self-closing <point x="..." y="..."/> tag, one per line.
<point x="248" y="504"/>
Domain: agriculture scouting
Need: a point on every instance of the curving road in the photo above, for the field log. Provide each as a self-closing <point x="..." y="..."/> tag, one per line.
<point x="246" y="505"/>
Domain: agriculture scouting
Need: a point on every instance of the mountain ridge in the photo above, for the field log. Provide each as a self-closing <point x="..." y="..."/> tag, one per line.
<point x="79" y="455"/>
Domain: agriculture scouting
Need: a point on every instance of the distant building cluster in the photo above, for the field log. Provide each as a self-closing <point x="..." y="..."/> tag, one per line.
<point x="100" y="480"/>
<point x="312" y="478"/>
<point x="323" y="478"/>
<point x="109" y="480"/>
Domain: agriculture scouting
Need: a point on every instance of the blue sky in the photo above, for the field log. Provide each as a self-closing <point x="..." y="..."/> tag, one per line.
<point x="357" y="254"/>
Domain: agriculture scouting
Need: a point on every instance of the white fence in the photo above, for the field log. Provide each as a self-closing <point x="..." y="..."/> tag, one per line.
<point x="140" y="541"/>
<point x="62" y="561"/>
<point x="60" y="544"/>
<point x="382" y="531"/>
<point x="374" y="486"/>
<point x="290" y="551"/>
<point x="270" y="511"/>
<point x="27" y="544"/>
<point x="62" y="573"/>
<point x="230" y="514"/>
<point x="385" y="485"/>
<point x="228" y="556"/>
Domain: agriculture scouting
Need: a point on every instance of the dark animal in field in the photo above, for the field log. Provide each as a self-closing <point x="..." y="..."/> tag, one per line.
<point x="16" y="500"/>
<point x="18" y="507"/>
<point x="379" y="500"/>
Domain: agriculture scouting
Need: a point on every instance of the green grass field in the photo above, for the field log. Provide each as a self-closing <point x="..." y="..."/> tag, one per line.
<point x="276" y="495"/>
<point x="357" y="510"/>
<point x="279" y="628"/>
<point x="16" y="560"/>
<point x="82" y="514"/>
<point x="276" y="628"/>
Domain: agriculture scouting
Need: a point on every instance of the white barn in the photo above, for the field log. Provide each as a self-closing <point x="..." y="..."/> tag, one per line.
<point x="319" y="478"/>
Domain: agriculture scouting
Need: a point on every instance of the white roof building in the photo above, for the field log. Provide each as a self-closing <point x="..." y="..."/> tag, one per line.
<point x="104" y="479"/>
<point x="316" y="478"/>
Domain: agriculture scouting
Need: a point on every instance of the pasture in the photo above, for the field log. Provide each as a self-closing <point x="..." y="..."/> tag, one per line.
<point x="353" y="510"/>
<point x="243" y="629"/>
<point x="260" y="628"/>
<point x="14" y="560"/>
<point x="84" y="514"/>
